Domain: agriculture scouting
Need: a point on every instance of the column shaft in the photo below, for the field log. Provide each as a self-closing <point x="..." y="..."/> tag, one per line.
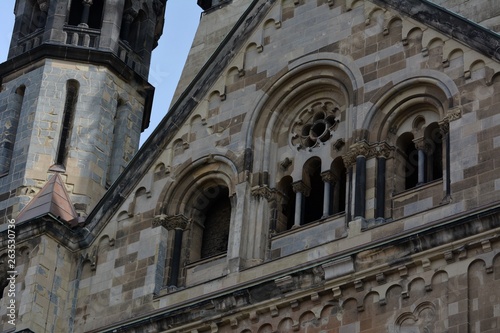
<point x="360" y="191"/>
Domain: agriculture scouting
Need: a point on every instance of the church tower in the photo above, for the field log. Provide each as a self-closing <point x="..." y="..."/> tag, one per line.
<point x="74" y="97"/>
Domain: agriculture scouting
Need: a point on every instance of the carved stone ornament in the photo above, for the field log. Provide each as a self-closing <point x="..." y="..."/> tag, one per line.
<point x="44" y="5"/>
<point x="315" y="125"/>
<point x="171" y="222"/>
<point x="421" y="144"/>
<point x="285" y="163"/>
<point x="452" y="114"/>
<point x="383" y="149"/>
<point x="264" y="192"/>
<point x="328" y="177"/>
<point x="301" y="187"/>
<point x="360" y="148"/>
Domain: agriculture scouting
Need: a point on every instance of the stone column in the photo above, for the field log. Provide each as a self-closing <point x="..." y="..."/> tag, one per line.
<point x="329" y="181"/>
<point x="421" y="149"/>
<point x="360" y="193"/>
<point x="85" y="14"/>
<point x="383" y="152"/>
<point x="177" y="224"/>
<point x="300" y="189"/>
<point x="357" y="155"/>
<point x="452" y="114"/>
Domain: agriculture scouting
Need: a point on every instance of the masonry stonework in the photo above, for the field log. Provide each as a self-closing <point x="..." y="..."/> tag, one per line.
<point x="348" y="148"/>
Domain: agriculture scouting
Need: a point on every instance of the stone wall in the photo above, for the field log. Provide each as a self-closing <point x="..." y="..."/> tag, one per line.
<point x="95" y="136"/>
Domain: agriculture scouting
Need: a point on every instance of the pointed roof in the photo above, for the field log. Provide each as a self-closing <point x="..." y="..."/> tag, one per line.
<point x="52" y="200"/>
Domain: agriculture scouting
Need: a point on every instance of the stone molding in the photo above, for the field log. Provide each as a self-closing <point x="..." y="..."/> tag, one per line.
<point x="173" y="222"/>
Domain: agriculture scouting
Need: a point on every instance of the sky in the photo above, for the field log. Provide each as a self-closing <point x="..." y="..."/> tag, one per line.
<point x="181" y="22"/>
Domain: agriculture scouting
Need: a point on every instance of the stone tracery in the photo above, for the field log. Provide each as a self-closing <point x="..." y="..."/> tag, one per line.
<point x="315" y="125"/>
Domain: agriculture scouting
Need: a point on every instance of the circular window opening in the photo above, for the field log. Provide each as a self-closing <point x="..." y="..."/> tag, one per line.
<point x="318" y="130"/>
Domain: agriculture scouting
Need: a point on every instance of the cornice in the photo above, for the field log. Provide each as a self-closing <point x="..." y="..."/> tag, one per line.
<point x="475" y="36"/>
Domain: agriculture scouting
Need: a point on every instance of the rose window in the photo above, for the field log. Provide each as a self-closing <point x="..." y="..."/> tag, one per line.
<point x="315" y="125"/>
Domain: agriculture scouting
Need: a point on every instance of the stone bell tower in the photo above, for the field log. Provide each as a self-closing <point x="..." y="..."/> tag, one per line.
<point x="74" y="97"/>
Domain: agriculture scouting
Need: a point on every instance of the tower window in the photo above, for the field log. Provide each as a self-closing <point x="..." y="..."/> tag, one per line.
<point x="87" y="13"/>
<point x="67" y="122"/>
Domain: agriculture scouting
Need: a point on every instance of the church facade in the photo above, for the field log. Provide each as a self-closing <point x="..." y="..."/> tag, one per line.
<point x="325" y="166"/>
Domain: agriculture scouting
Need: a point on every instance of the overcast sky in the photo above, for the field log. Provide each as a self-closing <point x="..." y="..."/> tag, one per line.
<point x="181" y="21"/>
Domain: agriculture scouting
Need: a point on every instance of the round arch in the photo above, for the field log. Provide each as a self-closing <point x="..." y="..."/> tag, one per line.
<point x="314" y="77"/>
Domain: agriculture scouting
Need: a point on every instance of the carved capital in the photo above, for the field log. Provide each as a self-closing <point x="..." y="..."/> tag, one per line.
<point x="264" y="192"/>
<point x="383" y="149"/>
<point x="360" y="148"/>
<point x="87" y="2"/>
<point x="301" y="187"/>
<point x="328" y="177"/>
<point x="421" y="144"/>
<point x="171" y="222"/>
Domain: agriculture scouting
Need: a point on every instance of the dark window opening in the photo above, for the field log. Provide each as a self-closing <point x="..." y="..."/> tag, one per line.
<point x="410" y="159"/>
<point x="93" y="18"/>
<point x="216" y="224"/>
<point x="338" y="186"/>
<point x="434" y="139"/>
<point x="313" y="203"/>
<point x="136" y="35"/>
<point x="67" y="122"/>
<point x="285" y="210"/>
<point x="75" y="12"/>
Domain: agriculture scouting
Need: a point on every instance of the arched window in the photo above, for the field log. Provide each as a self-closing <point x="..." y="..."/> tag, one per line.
<point x="285" y="211"/>
<point x="72" y="87"/>
<point x="209" y="207"/>
<point x="216" y="218"/>
<point x="421" y="154"/>
<point x="313" y="203"/>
